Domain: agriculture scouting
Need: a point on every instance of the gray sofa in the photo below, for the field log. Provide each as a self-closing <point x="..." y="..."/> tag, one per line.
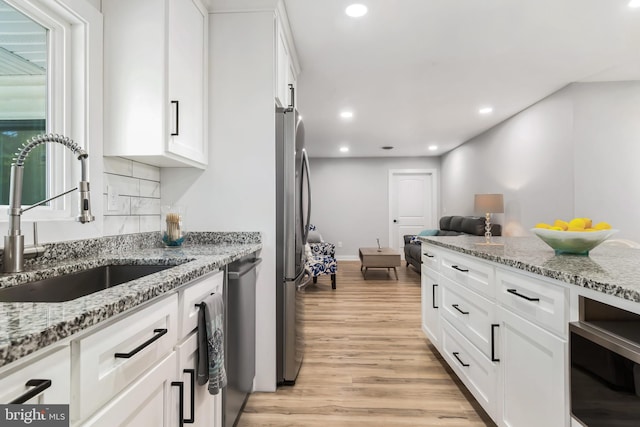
<point x="449" y="226"/>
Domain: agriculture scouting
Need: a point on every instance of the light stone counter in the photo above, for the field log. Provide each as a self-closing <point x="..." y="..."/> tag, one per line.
<point x="607" y="269"/>
<point x="27" y="327"/>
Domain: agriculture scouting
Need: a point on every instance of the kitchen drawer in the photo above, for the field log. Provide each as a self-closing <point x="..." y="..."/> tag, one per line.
<point x="466" y="271"/>
<point x="541" y="302"/>
<point x="54" y="367"/>
<point x="473" y="368"/>
<point x="430" y="257"/>
<point x="98" y="375"/>
<point x="150" y="401"/>
<point x="471" y="314"/>
<point x="194" y="294"/>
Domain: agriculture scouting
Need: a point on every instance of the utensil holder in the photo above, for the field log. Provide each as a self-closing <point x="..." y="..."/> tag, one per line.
<point x="172" y="225"/>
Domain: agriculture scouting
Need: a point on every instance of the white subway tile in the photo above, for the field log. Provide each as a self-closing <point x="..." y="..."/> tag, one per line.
<point x="145" y="206"/>
<point x="124" y="186"/>
<point x="149" y="223"/>
<point x="140" y="170"/>
<point x="149" y="189"/>
<point x="115" y="225"/>
<point x="118" y="165"/>
<point x="124" y="206"/>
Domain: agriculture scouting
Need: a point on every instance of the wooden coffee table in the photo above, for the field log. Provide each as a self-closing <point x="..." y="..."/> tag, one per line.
<point x="379" y="258"/>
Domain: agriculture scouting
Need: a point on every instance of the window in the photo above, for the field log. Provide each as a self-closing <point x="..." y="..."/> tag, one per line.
<point x="23" y="95"/>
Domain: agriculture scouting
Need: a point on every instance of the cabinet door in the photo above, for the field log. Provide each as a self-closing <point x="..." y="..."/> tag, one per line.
<point x="54" y="367"/>
<point x="431" y="291"/>
<point x="150" y="401"/>
<point x="532" y="361"/>
<point x="187" y="35"/>
<point x="207" y="407"/>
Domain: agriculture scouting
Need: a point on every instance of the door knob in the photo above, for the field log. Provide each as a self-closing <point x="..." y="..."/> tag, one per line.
<point x="395" y="221"/>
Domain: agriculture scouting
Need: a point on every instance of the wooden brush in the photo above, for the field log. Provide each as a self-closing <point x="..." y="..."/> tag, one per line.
<point x="173" y="226"/>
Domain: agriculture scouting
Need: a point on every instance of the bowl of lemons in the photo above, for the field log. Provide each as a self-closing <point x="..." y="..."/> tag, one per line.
<point x="576" y="237"/>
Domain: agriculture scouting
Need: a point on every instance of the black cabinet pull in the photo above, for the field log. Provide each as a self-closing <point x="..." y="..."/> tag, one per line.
<point x="458" y="308"/>
<point x="158" y="334"/>
<point x="455" y="354"/>
<point x="455" y="267"/>
<point x="180" y="385"/>
<point x="493" y="343"/>
<point x="292" y="90"/>
<point x="433" y="301"/>
<point x="38" y="387"/>
<point x="429" y="255"/>
<point x="192" y="386"/>
<point x="515" y="292"/>
<point x="177" y="132"/>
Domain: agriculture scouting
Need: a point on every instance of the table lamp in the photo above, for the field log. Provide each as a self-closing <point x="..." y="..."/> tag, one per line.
<point x="488" y="204"/>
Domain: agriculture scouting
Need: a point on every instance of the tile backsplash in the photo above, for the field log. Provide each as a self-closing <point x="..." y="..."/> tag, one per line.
<point x="134" y="205"/>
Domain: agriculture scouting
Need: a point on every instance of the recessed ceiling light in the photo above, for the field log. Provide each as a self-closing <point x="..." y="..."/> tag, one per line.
<point x="356" y="10"/>
<point x="387" y="147"/>
<point x="344" y="149"/>
<point x="634" y="3"/>
<point x="346" y="114"/>
<point x="486" y="110"/>
<point x="433" y="147"/>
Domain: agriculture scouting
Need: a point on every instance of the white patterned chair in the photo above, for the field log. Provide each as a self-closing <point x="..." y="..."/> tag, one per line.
<point x="321" y="257"/>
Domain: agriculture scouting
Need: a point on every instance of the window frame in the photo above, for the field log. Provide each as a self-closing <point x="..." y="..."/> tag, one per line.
<point x="72" y="26"/>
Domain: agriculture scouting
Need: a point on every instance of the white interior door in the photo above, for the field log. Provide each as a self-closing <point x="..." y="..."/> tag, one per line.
<point x="412" y="204"/>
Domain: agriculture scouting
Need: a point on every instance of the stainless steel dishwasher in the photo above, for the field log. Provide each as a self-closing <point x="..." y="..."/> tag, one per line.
<point x="240" y="336"/>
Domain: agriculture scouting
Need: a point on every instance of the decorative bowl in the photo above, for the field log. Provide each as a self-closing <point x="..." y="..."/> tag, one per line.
<point x="572" y="242"/>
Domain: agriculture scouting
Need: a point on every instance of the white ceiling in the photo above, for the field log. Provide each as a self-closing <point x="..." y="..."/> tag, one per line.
<point x="415" y="72"/>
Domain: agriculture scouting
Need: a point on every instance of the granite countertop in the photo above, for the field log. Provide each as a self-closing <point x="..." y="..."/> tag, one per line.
<point x="608" y="269"/>
<point x="27" y="327"/>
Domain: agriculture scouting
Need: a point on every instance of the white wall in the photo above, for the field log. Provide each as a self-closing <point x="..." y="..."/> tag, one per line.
<point x="237" y="191"/>
<point x="571" y="154"/>
<point x="351" y="198"/>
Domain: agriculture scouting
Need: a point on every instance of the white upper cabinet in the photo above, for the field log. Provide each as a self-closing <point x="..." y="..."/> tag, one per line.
<point x="286" y="72"/>
<point x="156" y="81"/>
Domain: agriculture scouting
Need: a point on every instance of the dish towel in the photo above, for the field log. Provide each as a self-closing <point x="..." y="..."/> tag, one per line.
<point x="210" y="343"/>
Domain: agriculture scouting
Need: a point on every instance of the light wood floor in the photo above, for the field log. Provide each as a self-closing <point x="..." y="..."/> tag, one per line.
<point x="367" y="362"/>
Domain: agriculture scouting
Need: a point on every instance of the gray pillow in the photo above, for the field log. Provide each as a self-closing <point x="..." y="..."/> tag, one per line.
<point x="314" y="237"/>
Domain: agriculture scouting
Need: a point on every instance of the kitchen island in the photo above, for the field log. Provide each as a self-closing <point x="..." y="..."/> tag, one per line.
<point x="500" y="317"/>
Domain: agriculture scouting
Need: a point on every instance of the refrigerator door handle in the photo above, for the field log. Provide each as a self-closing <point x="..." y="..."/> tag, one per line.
<point x="305" y="159"/>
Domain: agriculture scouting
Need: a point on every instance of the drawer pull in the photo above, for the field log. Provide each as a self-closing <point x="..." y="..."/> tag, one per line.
<point x="429" y="255"/>
<point x="455" y="267"/>
<point x="38" y="387"/>
<point x="433" y="301"/>
<point x="158" y="334"/>
<point x="515" y="292"/>
<point x="180" y="385"/>
<point x="493" y="343"/>
<point x="192" y="386"/>
<point x="458" y="308"/>
<point x="455" y="354"/>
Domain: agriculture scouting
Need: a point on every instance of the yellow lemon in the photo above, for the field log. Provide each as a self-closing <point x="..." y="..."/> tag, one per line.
<point x="542" y="225"/>
<point x="602" y="226"/>
<point x="556" y="228"/>
<point x="587" y="223"/>
<point x="562" y="224"/>
<point x="590" y="229"/>
<point x="577" y="224"/>
<point x="575" y="229"/>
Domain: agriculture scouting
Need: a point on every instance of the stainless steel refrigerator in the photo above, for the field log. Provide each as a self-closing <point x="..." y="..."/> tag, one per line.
<point x="293" y="201"/>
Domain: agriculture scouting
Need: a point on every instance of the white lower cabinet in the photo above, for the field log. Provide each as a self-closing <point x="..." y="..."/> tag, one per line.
<point x="150" y="401"/>
<point x="46" y="380"/>
<point x="532" y="375"/>
<point x="430" y="301"/>
<point x="475" y="370"/>
<point x="206" y="410"/>
<point x="505" y="336"/>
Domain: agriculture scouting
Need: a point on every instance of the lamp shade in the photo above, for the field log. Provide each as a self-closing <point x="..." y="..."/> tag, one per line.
<point x="489" y="203"/>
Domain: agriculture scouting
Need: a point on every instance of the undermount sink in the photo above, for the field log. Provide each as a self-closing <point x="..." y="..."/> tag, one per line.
<point x="76" y="285"/>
